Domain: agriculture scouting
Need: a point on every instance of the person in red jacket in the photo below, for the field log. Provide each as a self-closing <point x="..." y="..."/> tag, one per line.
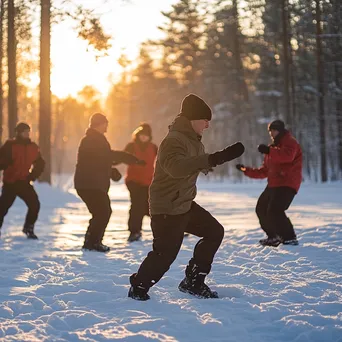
<point x="282" y="167"/>
<point x="139" y="178"/>
<point x="22" y="164"/>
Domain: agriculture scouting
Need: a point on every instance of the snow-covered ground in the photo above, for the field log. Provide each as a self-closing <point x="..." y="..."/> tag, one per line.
<point x="52" y="291"/>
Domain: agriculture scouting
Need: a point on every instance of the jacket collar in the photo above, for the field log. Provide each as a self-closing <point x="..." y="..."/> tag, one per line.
<point x="183" y="125"/>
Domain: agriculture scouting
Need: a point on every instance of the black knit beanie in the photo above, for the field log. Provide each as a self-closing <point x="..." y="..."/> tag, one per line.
<point x="195" y="108"/>
<point x="278" y="125"/>
<point x="21" y="127"/>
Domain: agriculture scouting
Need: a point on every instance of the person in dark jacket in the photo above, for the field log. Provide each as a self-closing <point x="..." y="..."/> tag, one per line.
<point x="22" y="164"/>
<point x="139" y="178"/>
<point x="282" y="167"/>
<point x="94" y="170"/>
<point x="181" y="157"/>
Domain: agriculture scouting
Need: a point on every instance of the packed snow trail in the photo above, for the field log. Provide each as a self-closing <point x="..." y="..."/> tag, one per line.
<point x="52" y="291"/>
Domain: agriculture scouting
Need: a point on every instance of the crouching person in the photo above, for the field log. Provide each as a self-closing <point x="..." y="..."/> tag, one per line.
<point x="180" y="159"/>
<point x="22" y="164"/>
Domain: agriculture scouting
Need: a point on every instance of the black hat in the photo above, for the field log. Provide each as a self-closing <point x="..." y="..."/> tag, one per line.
<point x="195" y="108"/>
<point x="97" y="119"/>
<point x="144" y="129"/>
<point x="278" y="125"/>
<point x="21" y="127"/>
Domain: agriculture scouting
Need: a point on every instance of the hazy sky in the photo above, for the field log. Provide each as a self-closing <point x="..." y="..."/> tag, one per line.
<point x="129" y="23"/>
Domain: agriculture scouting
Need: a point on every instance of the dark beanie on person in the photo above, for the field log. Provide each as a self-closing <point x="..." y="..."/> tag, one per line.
<point x="97" y="119"/>
<point x="21" y="127"/>
<point x="195" y="108"/>
<point x="278" y="125"/>
<point x="144" y="129"/>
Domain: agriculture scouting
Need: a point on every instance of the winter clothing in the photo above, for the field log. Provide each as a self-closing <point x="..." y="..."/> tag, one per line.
<point x="97" y="119"/>
<point x="92" y="181"/>
<point x="25" y="191"/>
<point x="141" y="174"/>
<point x="143" y="129"/>
<point x="283" y="165"/>
<point x="277" y="125"/>
<point x="168" y="232"/>
<point x="270" y="209"/>
<point x="240" y="167"/>
<point x="115" y="175"/>
<point x="283" y="168"/>
<point x="139" y="178"/>
<point x="229" y="153"/>
<point x="17" y="156"/>
<point x="180" y="159"/>
<point x="195" y="108"/>
<point x="98" y="204"/>
<point x="22" y="127"/>
<point x="94" y="162"/>
<point x="139" y="206"/>
<point x="264" y="149"/>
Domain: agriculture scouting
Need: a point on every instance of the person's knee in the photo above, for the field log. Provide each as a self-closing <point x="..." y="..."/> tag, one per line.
<point x="35" y="205"/>
<point x="218" y="233"/>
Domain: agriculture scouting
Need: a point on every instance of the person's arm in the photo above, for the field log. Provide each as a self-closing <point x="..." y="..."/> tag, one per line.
<point x="174" y="159"/>
<point x="119" y="157"/>
<point x="38" y="168"/>
<point x="285" y="153"/>
<point x="257" y="173"/>
<point x="5" y="155"/>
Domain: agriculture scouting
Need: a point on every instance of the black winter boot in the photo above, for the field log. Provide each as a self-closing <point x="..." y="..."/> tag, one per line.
<point x="134" y="237"/>
<point x="28" y="230"/>
<point x="97" y="247"/>
<point x="271" y="242"/>
<point x="193" y="283"/>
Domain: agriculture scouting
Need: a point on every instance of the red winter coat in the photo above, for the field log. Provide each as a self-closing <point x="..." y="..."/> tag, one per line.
<point x="17" y="157"/>
<point x="282" y="166"/>
<point x="142" y="175"/>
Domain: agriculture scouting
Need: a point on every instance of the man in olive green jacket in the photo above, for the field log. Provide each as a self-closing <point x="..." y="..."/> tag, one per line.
<point x="181" y="157"/>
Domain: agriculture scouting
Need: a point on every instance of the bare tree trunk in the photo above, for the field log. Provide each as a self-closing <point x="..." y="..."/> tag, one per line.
<point x="2" y="16"/>
<point x="12" y="70"/>
<point x="44" y="90"/>
<point x="321" y="91"/>
<point x="286" y="59"/>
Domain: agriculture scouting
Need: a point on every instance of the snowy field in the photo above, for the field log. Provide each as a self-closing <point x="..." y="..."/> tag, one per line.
<point x="52" y="291"/>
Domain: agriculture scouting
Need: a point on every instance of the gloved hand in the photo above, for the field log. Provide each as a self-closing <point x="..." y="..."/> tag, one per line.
<point x="141" y="162"/>
<point x="115" y="175"/>
<point x="264" y="149"/>
<point x="241" y="167"/>
<point x="229" y="153"/>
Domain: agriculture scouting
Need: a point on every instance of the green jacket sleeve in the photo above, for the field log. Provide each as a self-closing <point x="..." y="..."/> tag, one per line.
<point x="175" y="160"/>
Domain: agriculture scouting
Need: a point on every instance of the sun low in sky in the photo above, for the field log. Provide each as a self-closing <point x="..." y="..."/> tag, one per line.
<point x="74" y="64"/>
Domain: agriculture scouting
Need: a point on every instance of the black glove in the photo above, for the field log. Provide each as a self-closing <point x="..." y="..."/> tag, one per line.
<point x="229" y="153"/>
<point x="141" y="162"/>
<point x="264" y="149"/>
<point x="241" y="167"/>
<point x="115" y="175"/>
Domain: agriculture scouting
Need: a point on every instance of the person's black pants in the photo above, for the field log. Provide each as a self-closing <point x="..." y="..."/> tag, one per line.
<point x="270" y="209"/>
<point x="168" y="232"/>
<point x="139" y="206"/>
<point x="25" y="191"/>
<point x="98" y="204"/>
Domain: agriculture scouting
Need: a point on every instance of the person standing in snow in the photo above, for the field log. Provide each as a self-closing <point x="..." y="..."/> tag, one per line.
<point x="139" y="178"/>
<point x="22" y="164"/>
<point x="282" y="167"/>
<point x="94" y="170"/>
<point x="180" y="159"/>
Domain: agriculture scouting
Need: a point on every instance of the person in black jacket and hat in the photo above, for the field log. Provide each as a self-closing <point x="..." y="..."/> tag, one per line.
<point x="94" y="169"/>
